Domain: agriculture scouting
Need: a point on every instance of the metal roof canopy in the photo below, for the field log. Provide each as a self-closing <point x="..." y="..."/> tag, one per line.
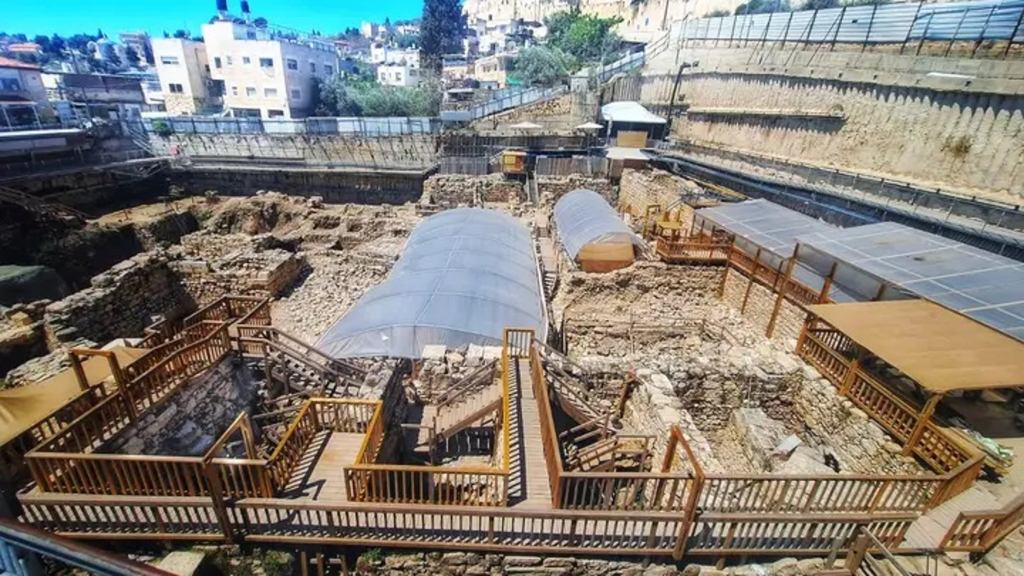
<point x="630" y="113"/>
<point x="774" y="229"/>
<point x="938" y="348"/>
<point x="889" y="260"/>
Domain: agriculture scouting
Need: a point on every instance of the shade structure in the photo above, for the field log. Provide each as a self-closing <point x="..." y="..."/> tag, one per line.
<point x="629" y="113"/>
<point x="583" y="217"/>
<point x="889" y="260"/>
<point x="940" y="349"/>
<point x="769" y="232"/>
<point x="465" y="275"/>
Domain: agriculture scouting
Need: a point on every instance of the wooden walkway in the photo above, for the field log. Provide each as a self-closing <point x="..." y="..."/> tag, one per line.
<point x="319" y="475"/>
<point x="928" y="531"/>
<point x="535" y="472"/>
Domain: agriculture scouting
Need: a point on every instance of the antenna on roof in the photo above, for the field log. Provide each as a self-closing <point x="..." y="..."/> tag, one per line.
<point x="246" y="12"/>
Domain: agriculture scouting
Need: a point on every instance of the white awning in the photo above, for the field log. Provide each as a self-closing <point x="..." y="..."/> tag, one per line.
<point x="631" y="112"/>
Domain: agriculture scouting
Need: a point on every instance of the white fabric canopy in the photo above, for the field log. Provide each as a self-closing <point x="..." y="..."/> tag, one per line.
<point x="631" y="112"/>
<point x="465" y="275"/>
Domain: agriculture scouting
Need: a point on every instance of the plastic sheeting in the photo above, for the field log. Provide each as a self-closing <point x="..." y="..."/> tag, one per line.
<point x="465" y="275"/>
<point x="767" y="231"/>
<point x="873" y="258"/>
<point x="583" y="217"/>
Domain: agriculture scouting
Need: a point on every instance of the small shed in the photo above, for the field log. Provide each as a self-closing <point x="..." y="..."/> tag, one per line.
<point x="592" y="234"/>
<point x="631" y="125"/>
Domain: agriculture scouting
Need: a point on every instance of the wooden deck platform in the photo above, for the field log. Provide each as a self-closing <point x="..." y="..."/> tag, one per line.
<point x="320" y="475"/>
<point x="537" y="487"/>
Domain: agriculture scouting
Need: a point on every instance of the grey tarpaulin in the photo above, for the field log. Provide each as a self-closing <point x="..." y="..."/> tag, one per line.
<point x="583" y="217"/>
<point x="464" y="276"/>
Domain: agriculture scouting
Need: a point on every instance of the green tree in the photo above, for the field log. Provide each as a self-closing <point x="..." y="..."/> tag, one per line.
<point x="542" y="65"/>
<point x="57" y="44"/>
<point x="585" y="37"/>
<point x="347" y="96"/>
<point x="763" y="7"/>
<point x="442" y="30"/>
<point x="183" y="34"/>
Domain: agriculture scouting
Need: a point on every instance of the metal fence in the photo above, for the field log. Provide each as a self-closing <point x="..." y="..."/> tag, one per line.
<point x="984" y="20"/>
<point x="510" y="98"/>
<point x="474" y="165"/>
<point x="586" y="165"/>
<point x="388" y="126"/>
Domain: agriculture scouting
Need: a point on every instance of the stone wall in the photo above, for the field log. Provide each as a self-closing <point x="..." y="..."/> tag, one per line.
<point x="474" y="564"/>
<point x="120" y="302"/>
<point x="965" y="142"/>
<point x="760" y="304"/>
<point x="860" y="444"/>
<point x="453" y="190"/>
<point x="332" y="186"/>
<point x="641" y="188"/>
<point x="412" y="151"/>
<point x="189" y="422"/>
<point x="551" y="188"/>
<point x="553" y="115"/>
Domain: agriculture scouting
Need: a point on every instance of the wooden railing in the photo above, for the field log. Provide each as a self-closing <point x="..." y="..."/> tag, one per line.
<point x="937" y="449"/>
<point x="846" y="493"/>
<point x="233" y="308"/>
<point x="369" y="480"/>
<point x="293" y="444"/>
<point x="692" y="252"/>
<point x="979" y="531"/>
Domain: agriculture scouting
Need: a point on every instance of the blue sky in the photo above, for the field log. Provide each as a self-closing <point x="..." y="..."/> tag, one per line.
<point x="66" y="17"/>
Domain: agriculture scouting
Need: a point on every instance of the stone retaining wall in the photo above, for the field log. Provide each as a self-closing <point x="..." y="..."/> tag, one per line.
<point x="120" y="302"/>
<point x="641" y="188"/>
<point x="453" y="190"/>
<point x="551" y="188"/>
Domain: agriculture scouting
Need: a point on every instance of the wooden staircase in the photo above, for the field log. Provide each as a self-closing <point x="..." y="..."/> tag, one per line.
<point x="455" y="417"/>
<point x="469" y="401"/>
<point x="928" y="531"/>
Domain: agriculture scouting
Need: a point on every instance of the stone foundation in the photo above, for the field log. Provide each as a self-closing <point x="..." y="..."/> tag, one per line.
<point x="189" y="422"/>
<point x="120" y="303"/>
<point x="551" y="188"/>
<point x="638" y="189"/>
<point x="452" y="190"/>
<point x="759" y="306"/>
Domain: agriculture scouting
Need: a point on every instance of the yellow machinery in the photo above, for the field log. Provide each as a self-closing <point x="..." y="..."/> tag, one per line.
<point x="513" y="161"/>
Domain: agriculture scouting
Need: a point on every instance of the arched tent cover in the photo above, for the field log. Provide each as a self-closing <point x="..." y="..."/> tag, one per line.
<point x="583" y="218"/>
<point x="465" y="275"/>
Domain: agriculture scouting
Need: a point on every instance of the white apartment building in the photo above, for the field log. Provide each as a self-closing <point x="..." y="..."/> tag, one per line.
<point x="382" y="54"/>
<point x="266" y="73"/>
<point x="398" y="75"/>
<point x="184" y="73"/>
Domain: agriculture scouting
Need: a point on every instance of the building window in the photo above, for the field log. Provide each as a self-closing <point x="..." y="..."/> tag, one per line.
<point x="216" y="61"/>
<point x="292" y="64"/>
<point x="10" y="84"/>
<point x="275" y="113"/>
<point x="296" y="94"/>
<point x="234" y="90"/>
<point x="228" y="60"/>
<point x="250" y="35"/>
<point x="266" y="62"/>
<point x="169" y="60"/>
<point x="250" y="91"/>
<point x="176" y="88"/>
<point x="269" y="92"/>
<point x="312" y="67"/>
<point x="329" y="69"/>
<point x="246" y="60"/>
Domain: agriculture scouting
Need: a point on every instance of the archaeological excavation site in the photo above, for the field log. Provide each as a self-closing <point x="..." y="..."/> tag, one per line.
<point x="703" y="338"/>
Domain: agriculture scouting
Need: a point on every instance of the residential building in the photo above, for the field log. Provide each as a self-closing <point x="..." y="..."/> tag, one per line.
<point x="398" y="75"/>
<point x="493" y="69"/>
<point x="266" y="72"/>
<point x="454" y="68"/>
<point x="184" y="73"/>
<point x="383" y="54"/>
<point x="109" y="96"/>
<point x="22" y="94"/>
<point x="110" y="52"/>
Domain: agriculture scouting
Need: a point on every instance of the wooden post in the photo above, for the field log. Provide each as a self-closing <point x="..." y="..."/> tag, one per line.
<point x="782" y="294"/>
<point x="857" y="553"/>
<point x="753" y="274"/>
<point x="76" y="365"/>
<point x="217" y="498"/>
<point x="670" y="451"/>
<point x="827" y="285"/>
<point x="851" y="372"/>
<point x="922" y="420"/>
<point x="627" y="387"/>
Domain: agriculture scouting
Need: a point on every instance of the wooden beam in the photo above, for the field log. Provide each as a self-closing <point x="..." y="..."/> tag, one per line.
<point x="781" y="294"/>
<point x="750" y="284"/>
<point x="76" y="366"/>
